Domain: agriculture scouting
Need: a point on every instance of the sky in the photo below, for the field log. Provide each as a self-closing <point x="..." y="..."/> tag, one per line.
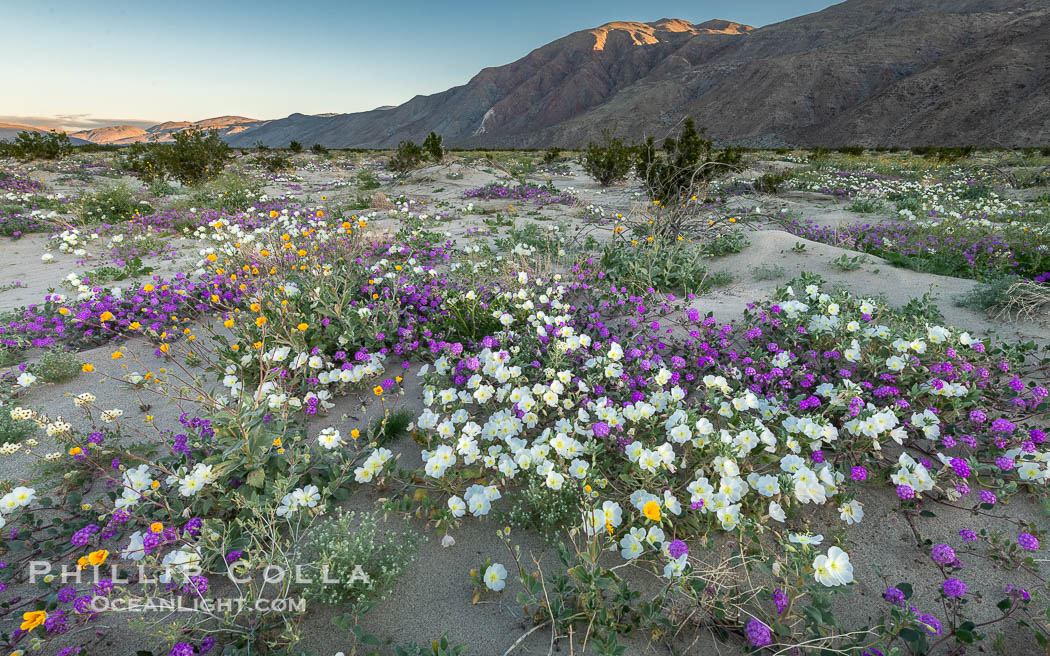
<point x="78" y="64"/>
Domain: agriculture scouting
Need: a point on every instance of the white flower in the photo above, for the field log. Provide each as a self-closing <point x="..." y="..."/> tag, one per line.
<point x="833" y="569"/>
<point x="26" y="379"/>
<point x="496" y="577"/>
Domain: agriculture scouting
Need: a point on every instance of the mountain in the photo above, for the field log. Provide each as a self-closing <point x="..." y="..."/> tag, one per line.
<point x="875" y="72"/>
<point x="164" y="132"/>
<point x="8" y="132"/>
<point x="111" y="134"/>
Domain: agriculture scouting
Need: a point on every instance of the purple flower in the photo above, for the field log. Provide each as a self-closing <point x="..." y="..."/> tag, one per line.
<point x="960" y="467"/>
<point x="905" y="492"/>
<point x="1028" y="542"/>
<point x="895" y="596"/>
<point x="954" y="588"/>
<point x="758" y="634"/>
<point x="967" y="535"/>
<point x="780" y="600"/>
<point x="182" y="649"/>
<point x="677" y="549"/>
<point x="601" y="429"/>
<point x="986" y="496"/>
<point x="859" y="473"/>
<point x="943" y="554"/>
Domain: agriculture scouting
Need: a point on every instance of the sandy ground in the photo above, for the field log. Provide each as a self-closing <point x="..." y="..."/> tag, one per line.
<point x="435" y="595"/>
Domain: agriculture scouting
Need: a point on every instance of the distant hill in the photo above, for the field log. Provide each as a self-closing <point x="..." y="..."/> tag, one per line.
<point x="163" y="132"/>
<point x="8" y="132"/>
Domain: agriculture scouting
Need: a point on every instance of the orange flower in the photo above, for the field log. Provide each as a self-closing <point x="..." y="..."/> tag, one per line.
<point x="378" y="390"/>
<point x="88" y="368"/>
<point x="652" y="511"/>
<point x="156" y="527"/>
<point x="33" y="619"/>
<point x="106" y="316"/>
<point x="97" y="558"/>
<point x="302" y="327"/>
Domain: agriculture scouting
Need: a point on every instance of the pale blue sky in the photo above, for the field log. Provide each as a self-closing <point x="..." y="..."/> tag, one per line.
<point x="95" y="63"/>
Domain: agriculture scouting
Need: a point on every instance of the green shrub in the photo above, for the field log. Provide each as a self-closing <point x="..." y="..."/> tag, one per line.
<point x="295" y="146"/>
<point x="856" y="151"/>
<point x="609" y="161"/>
<point x="318" y="149"/>
<point x="771" y="182"/>
<point x="274" y="162"/>
<point x="195" y="156"/>
<point x="56" y="366"/>
<point x="407" y="157"/>
<point x="367" y="179"/>
<point x="342" y="544"/>
<point x="432" y="144"/>
<point x="768" y="272"/>
<point x="666" y="265"/>
<point x="988" y="295"/>
<point x="551" y="155"/>
<point x="726" y="243"/>
<point x="112" y="204"/>
<point x="685" y="163"/>
<point x="41" y="145"/>
<point x="866" y="206"/>
<point x="228" y="192"/>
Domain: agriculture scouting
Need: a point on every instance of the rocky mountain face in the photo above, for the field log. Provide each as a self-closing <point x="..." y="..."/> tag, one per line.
<point x="873" y="72"/>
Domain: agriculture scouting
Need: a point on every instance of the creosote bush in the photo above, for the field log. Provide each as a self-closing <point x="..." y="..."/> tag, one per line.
<point x="432" y="144"/>
<point x="407" y="157"/>
<point x="609" y="160"/>
<point x="41" y="145"/>
<point x="195" y="156"/>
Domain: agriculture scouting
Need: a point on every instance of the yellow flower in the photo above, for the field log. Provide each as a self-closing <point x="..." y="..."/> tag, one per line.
<point x="75" y="451"/>
<point x="302" y="327"/>
<point x="228" y="323"/>
<point x="82" y="563"/>
<point x="355" y="433"/>
<point x="652" y="511"/>
<point x="277" y="441"/>
<point x="147" y="287"/>
<point x="260" y="321"/>
<point x="33" y="619"/>
<point x="97" y="558"/>
<point x="63" y="311"/>
<point x="87" y="368"/>
<point x="106" y="316"/>
<point x="116" y="355"/>
<point x="378" y="390"/>
<point x="156" y="527"/>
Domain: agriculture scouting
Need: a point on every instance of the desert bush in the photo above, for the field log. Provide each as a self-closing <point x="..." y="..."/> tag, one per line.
<point x="407" y="157"/>
<point x="194" y="157"/>
<point x="367" y="179"/>
<point x="608" y="161"/>
<point x="866" y="206"/>
<point x="41" y="145"/>
<point x="771" y="182"/>
<point x="768" y="272"/>
<point x="856" y="151"/>
<point x="112" y="204"/>
<point x="318" y="149"/>
<point x="274" y="162"/>
<point x="666" y="265"/>
<point x="229" y="192"/>
<point x="685" y="165"/>
<point x="295" y="146"/>
<point x="551" y="155"/>
<point x="725" y="243"/>
<point x="432" y="144"/>
<point x="987" y="295"/>
<point x="56" y="366"/>
<point x="350" y="549"/>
